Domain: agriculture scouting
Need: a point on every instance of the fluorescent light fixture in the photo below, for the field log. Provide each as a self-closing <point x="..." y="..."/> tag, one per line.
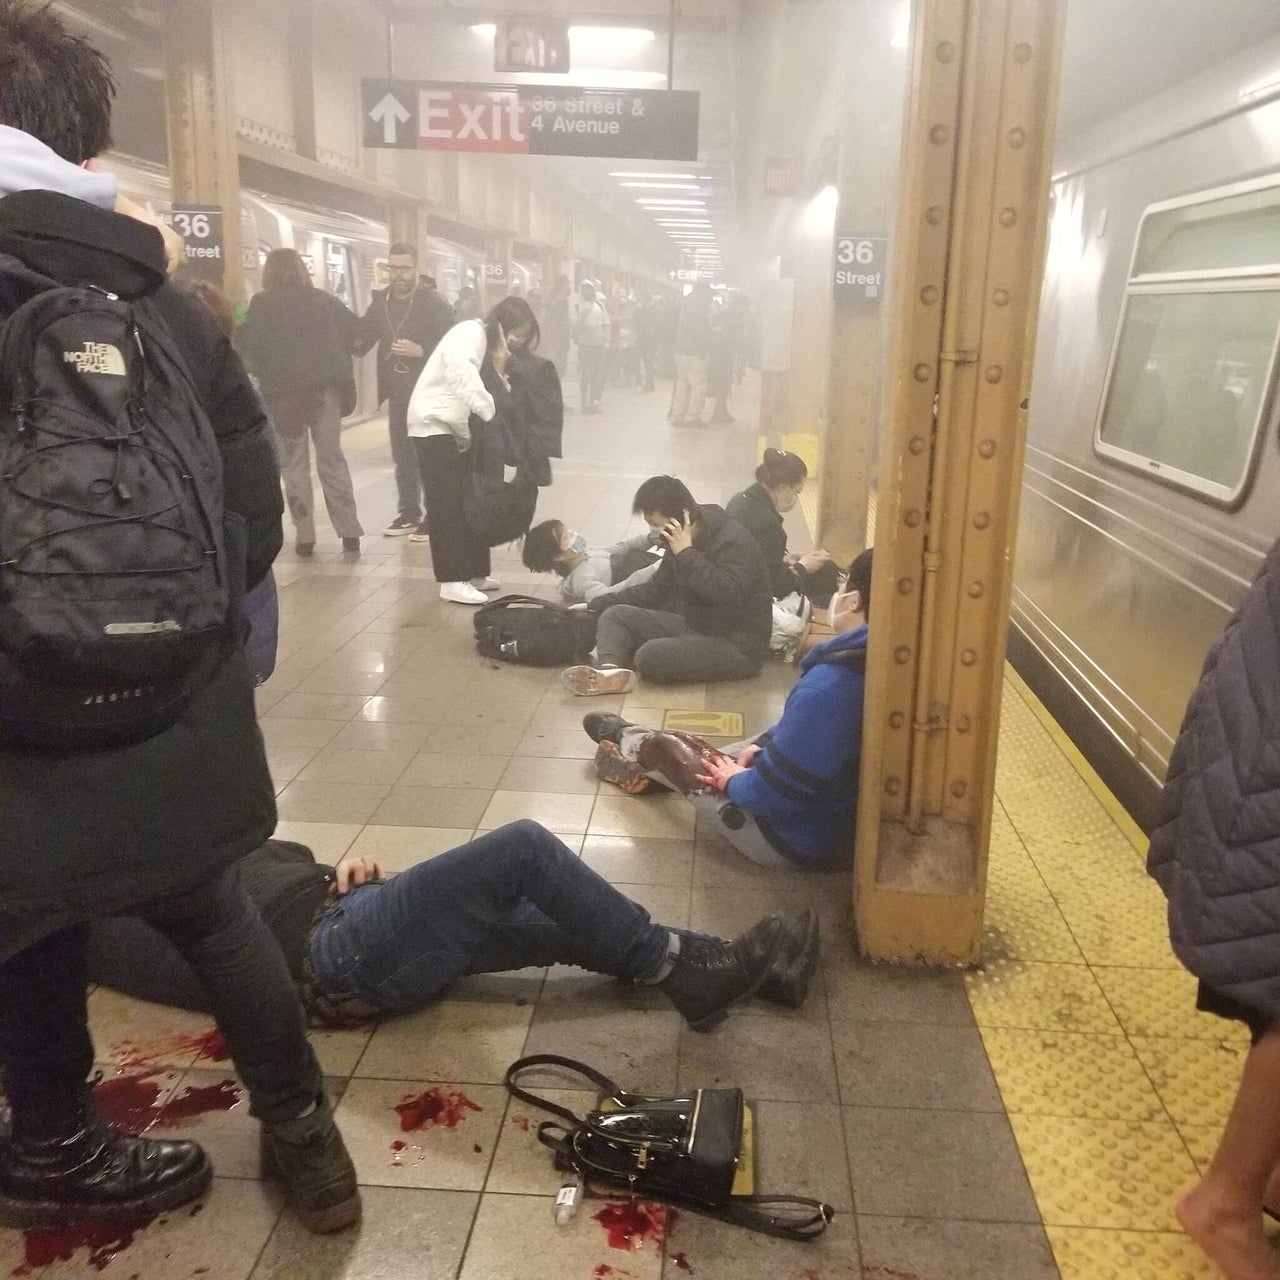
<point x="683" y="177"/>
<point x="663" y="186"/>
<point x="486" y="29"/>
<point x="684" y="222"/>
<point x="667" y="202"/>
<point x="901" y="26"/>
<point x="610" y="39"/>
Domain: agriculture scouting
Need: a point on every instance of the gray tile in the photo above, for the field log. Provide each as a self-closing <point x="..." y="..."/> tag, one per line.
<point x="461" y="769"/>
<point x="405" y="1235"/>
<point x="330" y="801"/>
<point x="898" y="1065"/>
<point x="380" y="735"/>
<point x="726" y="912"/>
<point x="334" y="764"/>
<point x="522" y="1165"/>
<point x="860" y="990"/>
<point x="319" y="706"/>
<point x="485" y="740"/>
<point x="285" y="732"/>
<point x="922" y="1164"/>
<point x="563" y="814"/>
<point x="799" y="1150"/>
<point x="783" y="1060"/>
<point x="431" y="807"/>
<point x="636" y="860"/>
<point x="708" y="1250"/>
<point x="565" y="744"/>
<point x="928" y="1248"/>
<point x="549" y="774"/>
<point x="398" y="710"/>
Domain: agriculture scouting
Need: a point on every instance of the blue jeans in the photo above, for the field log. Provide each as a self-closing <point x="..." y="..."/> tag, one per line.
<point x="515" y="897"/>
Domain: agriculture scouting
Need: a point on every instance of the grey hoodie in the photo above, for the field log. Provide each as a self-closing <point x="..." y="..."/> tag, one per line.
<point x="26" y="164"/>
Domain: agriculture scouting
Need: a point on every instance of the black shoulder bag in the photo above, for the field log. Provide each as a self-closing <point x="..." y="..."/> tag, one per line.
<point x="681" y="1151"/>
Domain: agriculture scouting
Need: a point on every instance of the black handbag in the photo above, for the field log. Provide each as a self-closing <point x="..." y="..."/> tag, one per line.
<point x="681" y="1151"/>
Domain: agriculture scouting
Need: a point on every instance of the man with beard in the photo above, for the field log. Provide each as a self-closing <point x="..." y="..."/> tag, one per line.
<point x="405" y="321"/>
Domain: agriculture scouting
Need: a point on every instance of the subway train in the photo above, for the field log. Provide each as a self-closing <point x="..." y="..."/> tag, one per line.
<point x="1152" y="485"/>
<point x="346" y="254"/>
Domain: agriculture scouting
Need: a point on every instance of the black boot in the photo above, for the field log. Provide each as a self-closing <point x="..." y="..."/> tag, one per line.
<point x="787" y="980"/>
<point x="600" y="726"/>
<point x="67" y="1166"/>
<point x="710" y="975"/>
<point x="309" y="1161"/>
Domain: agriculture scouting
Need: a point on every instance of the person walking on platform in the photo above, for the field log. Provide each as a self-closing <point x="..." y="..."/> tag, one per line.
<point x="557" y="326"/>
<point x="707" y="614"/>
<point x="405" y="321"/>
<point x="363" y="947"/>
<point x="451" y="390"/>
<point x="1215" y="851"/>
<point x="693" y="347"/>
<point x="153" y="821"/>
<point x="591" y="330"/>
<point x="299" y="340"/>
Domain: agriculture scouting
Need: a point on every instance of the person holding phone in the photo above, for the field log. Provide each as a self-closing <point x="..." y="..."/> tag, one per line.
<point x="707" y="613"/>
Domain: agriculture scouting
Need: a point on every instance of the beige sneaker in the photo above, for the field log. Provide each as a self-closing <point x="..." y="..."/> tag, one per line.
<point x="593" y="682"/>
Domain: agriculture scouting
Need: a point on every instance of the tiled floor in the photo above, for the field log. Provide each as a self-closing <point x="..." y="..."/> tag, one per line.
<point x="914" y="1102"/>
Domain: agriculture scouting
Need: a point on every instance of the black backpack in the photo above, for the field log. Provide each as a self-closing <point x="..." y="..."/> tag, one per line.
<point x="532" y="632"/>
<point x="115" y="574"/>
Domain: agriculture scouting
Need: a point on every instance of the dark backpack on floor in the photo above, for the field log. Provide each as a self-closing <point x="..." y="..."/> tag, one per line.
<point x="115" y="582"/>
<point x="532" y="632"/>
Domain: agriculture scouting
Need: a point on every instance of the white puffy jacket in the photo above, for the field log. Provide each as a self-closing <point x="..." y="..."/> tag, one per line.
<point x="449" y="389"/>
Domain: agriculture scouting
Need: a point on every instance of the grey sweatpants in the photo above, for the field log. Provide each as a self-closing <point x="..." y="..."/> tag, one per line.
<point x="661" y="648"/>
<point x="299" y="419"/>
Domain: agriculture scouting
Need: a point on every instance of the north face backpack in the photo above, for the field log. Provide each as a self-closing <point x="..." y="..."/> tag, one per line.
<point x="115" y="582"/>
<point x="532" y="632"/>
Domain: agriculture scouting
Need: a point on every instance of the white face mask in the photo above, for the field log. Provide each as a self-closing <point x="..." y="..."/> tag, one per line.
<point x="841" y="604"/>
<point x="789" y="504"/>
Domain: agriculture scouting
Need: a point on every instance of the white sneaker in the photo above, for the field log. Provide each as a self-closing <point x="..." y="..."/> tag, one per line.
<point x="486" y="584"/>
<point x="462" y="593"/>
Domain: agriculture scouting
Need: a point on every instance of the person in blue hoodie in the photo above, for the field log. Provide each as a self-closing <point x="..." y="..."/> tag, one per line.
<point x="789" y="797"/>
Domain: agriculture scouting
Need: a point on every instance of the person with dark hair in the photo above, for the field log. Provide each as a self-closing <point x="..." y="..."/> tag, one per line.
<point x="405" y="321"/>
<point x="788" y="797"/>
<point x="553" y="547"/>
<point x="298" y="339"/>
<point x="779" y="479"/>
<point x="362" y="946"/>
<point x="153" y="827"/>
<point x="459" y="382"/>
<point x="707" y="614"/>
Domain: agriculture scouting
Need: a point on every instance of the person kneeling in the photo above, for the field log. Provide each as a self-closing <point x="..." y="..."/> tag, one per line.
<point x="790" y="796"/>
<point x="706" y="614"/>
<point x="363" y="946"/>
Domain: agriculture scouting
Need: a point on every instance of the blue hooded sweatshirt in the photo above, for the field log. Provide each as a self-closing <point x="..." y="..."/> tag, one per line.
<point x="802" y="788"/>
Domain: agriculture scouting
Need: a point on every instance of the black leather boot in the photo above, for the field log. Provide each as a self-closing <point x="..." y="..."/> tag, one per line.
<point x="788" y="978"/>
<point x="308" y="1160"/>
<point x="69" y="1167"/>
<point x="709" y="975"/>
<point x="601" y="726"/>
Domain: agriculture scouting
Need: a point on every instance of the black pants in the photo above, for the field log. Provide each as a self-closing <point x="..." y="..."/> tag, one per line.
<point x="457" y="554"/>
<point x="45" y="1049"/>
<point x="408" y="475"/>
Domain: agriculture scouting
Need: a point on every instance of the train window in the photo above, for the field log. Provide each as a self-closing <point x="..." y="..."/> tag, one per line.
<point x="1195" y="355"/>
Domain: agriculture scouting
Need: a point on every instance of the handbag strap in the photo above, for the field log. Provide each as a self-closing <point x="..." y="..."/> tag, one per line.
<point x="601" y="1081"/>
<point x="787" y="1217"/>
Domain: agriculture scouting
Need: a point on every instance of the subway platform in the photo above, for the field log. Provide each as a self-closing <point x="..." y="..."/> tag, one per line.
<point x="1028" y="1120"/>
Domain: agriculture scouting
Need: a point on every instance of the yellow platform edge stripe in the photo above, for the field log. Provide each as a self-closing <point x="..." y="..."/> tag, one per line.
<point x="1115" y="810"/>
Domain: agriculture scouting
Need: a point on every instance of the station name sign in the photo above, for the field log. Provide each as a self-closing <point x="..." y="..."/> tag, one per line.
<point x="538" y="120"/>
<point x="858" y="270"/>
<point x="200" y="226"/>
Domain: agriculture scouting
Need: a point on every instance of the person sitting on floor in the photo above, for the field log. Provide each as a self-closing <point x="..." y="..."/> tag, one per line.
<point x="552" y="547"/>
<point x="363" y="946"/>
<point x="790" y="796"/>
<point x="707" y="614"/>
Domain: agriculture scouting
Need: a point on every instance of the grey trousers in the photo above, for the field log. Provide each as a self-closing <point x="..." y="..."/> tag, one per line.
<point x="748" y="840"/>
<point x="690" y="389"/>
<point x="299" y="419"/>
<point x="661" y="648"/>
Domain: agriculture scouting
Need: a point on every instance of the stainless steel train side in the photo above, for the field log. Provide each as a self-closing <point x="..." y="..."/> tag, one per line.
<point x="1128" y="565"/>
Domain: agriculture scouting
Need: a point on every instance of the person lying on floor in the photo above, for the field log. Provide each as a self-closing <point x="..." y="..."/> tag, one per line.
<point x="790" y="796"/>
<point x="363" y="946"/>
<point x="584" y="573"/>
<point x="706" y="614"/>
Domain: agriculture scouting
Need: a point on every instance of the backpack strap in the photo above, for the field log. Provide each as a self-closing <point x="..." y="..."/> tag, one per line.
<point x="601" y="1081"/>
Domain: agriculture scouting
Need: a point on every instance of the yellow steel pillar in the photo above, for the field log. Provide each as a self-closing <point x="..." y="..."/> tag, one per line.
<point x="204" y="161"/>
<point x="970" y="246"/>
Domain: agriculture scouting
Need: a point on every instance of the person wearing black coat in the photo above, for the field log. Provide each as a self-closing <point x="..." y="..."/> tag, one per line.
<point x="706" y="614"/>
<point x="1215" y="851"/>
<point x="405" y="322"/>
<point x="299" y="339"/>
<point x="152" y="828"/>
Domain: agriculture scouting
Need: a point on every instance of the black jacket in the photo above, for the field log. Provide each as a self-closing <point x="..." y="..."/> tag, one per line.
<point x="300" y="339"/>
<point x="287" y="885"/>
<point x="95" y="832"/>
<point x="720" y="586"/>
<point x="755" y="512"/>
<point x="428" y="319"/>
<point x="1215" y="848"/>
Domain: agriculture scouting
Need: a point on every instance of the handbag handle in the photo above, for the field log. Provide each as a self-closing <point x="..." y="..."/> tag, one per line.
<point x="600" y="1080"/>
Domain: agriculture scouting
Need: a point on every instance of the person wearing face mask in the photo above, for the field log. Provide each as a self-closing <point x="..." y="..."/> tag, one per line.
<point x="789" y="797"/>
<point x="584" y="573"/>
<point x="780" y="477"/>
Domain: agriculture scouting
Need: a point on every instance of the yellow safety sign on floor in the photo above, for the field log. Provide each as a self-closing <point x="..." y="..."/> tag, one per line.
<point x="706" y="724"/>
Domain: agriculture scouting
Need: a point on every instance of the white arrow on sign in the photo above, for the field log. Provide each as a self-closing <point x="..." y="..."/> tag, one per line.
<point x="391" y="112"/>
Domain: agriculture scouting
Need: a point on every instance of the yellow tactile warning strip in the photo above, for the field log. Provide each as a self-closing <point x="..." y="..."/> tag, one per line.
<point x="1115" y="1086"/>
<point x="707" y="724"/>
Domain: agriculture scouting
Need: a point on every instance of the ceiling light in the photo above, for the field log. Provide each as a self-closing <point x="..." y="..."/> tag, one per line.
<point x="667" y="202"/>
<point x="684" y="222"/>
<point x="663" y="186"/>
<point x="486" y="29"/>
<point x="610" y="39"/>
<point x="684" y="177"/>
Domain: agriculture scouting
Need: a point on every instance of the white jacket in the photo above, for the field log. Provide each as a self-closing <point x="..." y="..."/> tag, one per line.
<point x="449" y="389"/>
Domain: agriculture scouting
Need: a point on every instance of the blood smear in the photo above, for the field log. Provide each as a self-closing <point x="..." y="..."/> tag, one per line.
<point x="434" y="1107"/>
